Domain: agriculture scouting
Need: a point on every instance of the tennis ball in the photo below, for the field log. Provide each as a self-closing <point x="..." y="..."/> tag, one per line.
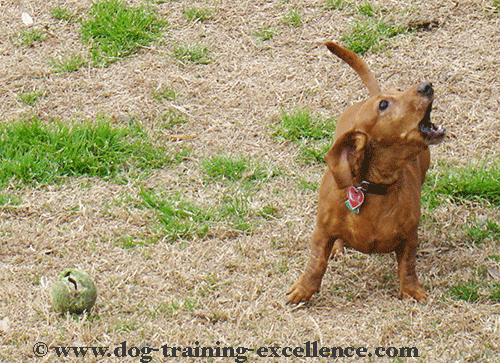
<point x="73" y="292"/>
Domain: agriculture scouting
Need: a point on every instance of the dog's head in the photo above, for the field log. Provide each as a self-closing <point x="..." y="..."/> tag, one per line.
<point x="396" y="123"/>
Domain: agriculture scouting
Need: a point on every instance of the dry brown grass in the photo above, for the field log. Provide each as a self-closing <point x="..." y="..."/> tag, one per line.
<point x="237" y="281"/>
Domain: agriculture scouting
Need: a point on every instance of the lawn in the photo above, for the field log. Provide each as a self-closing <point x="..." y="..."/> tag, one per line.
<point x="173" y="150"/>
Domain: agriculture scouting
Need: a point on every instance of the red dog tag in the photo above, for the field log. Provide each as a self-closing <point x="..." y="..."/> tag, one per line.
<point x="355" y="199"/>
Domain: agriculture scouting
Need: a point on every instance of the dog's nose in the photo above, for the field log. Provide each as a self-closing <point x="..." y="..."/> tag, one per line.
<point x="426" y="89"/>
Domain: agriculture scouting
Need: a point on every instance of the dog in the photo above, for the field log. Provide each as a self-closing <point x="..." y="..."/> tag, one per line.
<point x="369" y="198"/>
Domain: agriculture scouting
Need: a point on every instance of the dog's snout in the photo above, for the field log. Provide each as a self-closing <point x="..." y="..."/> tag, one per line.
<point x="426" y="89"/>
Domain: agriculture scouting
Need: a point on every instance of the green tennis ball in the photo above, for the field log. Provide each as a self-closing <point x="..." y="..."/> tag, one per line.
<point x="73" y="292"/>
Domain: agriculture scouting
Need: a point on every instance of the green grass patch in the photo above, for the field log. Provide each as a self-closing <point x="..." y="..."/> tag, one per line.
<point x="67" y="64"/>
<point x="29" y="37"/>
<point x="334" y="4"/>
<point x="179" y="219"/>
<point x="194" y="13"/>
<point x="235" y="210"/>
<point x="366" y="9"/>
<point x="60" y="12"/>
<point x="33" y="151"/>
<point x="293" y="18"/>
<point x="475" y="182"/>
<point x="192" y="52"/>
<point x="306" y="185"/>
<point x="467" y="291"/>
<point x="314" y="152"/>
<point x="301" y="125"/>
<point x="494" y="258"/>
<point x="231" y="208"/>
<point x="9" y="199"/>
<point x="478" y="234"/>
<point x="115" y="30"/>
<point x="430" y="198"/>
<point x="183" y="219"/>
<point x="30" y="98"/>
<point x="172" y="118"/>
<point x="371" y="34"/>
<point x="164" y="93"/>
<point x="495" y="292"/>
<point x="470" y="290"/>
<point x="269" y="211"/>
<point x="313" y="134"/>
<point x="265" y="34"/>
<point x="235" y="168"/>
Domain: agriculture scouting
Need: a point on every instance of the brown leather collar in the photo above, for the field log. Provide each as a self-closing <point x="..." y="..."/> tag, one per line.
<point x="378" y="189"/>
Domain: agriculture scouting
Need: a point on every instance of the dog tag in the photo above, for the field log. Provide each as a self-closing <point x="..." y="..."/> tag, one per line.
<point x="355" y="199"/>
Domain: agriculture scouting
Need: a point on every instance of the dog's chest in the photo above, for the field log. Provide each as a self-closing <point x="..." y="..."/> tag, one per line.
<point x="382" y="225"/>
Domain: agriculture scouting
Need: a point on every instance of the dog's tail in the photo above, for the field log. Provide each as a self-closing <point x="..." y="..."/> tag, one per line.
<point x="358" y="64"/>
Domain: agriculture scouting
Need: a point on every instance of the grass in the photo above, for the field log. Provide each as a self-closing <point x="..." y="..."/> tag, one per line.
<point x="180" y="219"/>
<point x="371" y="34"/>
<point x="33" y="151"/>
<point x="307" y="185"/>
<point x="60" y="12"/>
<point x="313" y="134"/>
<point x="192" y="52"/>
<point x="234" y="168"/>
<point x="29" y="98"/>
<point x="314" y="153"/>
<point x="230" y="285"/>
<point x="467" y="291"/>
<point x="475" y="182"/>
<point x="301" y="125"/>
<point x="115" y="30"/>
<point x="293" y="18"/>
<point x="370" y="31"/>
<point x="67" y="64"/>
<point x="235" y="210"/>
<point x="9" y="199"/>
<point x="334" y="4"/>
<point x="194" y="13"/>
<point x="29" y="37"/>
<point x="164" y="93"/>
<point x="172" y="118"/>
<point x="366" y="9"/>
<point x="495" y="292"/>
<point x="470" y="291"/>
<point x="478" y="234"/>
<point x="265" y="34"/>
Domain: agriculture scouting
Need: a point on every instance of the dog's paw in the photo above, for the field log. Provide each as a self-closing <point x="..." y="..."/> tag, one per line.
<point x="418" y="293"/>
<point x="299" y="293"/>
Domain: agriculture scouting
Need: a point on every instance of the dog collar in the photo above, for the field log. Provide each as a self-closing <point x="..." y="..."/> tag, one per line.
<point x="356" y="196"/>
<point x="378" y="189"/>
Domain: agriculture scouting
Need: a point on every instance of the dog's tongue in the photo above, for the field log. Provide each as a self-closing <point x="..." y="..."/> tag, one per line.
<point x="431" y="133"/>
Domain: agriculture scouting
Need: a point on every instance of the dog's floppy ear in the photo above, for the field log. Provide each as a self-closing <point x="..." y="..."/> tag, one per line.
<point x="346" y="157"/>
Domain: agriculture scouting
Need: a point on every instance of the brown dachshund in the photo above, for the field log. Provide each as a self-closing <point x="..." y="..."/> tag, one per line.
<point x="369" y="197"/>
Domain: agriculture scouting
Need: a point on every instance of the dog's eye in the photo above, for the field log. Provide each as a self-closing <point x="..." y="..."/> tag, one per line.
<point x="383" y="105"/>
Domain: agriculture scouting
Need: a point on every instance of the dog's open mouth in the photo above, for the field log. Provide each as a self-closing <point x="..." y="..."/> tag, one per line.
<point x="432" y="134"/>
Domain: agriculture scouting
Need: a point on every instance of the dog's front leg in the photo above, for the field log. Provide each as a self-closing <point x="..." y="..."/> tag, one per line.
<point x="408" y="281"/>
<point x="310" y="280"/>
